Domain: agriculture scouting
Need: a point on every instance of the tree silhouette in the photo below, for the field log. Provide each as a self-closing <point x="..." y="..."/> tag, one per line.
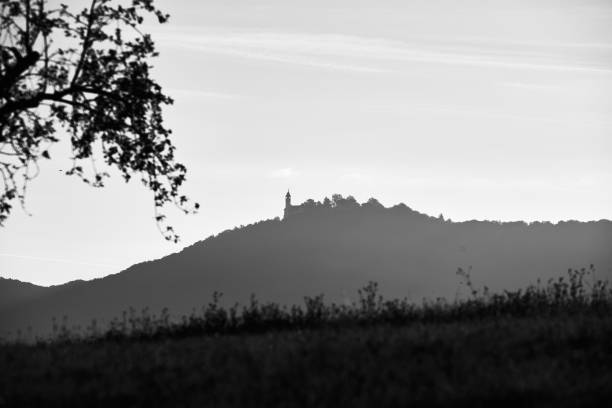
<point x="88" y="73"/>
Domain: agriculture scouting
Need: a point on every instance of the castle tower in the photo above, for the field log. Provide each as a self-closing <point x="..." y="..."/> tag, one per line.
<point x="288" y="199"/>
<point x="287" y="204"/>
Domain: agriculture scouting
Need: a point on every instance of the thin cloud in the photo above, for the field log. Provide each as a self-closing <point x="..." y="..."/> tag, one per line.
<point x="291" y="50"/>
<point x="365" y="54"/>
<point x="283" y="173"/>
<point x="528" y="85"/>
<point x="66" y="261"/>
<point x="460" y="110"/>
<point x="196" y="93"/>
<point x="355" y="176"/>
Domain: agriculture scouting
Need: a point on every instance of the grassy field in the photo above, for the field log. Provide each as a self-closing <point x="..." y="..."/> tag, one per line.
<point x="549" y="346"/>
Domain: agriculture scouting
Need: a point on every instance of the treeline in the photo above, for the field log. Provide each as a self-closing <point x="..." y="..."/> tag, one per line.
<point x="340" y="203"/>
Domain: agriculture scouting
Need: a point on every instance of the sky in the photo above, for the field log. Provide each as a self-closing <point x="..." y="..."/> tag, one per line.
<point x="480" y="109"/>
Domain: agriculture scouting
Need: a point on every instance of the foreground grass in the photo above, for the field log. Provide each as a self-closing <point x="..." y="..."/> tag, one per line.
<point x="560" y="361"/>
<point x="543" y="346"/>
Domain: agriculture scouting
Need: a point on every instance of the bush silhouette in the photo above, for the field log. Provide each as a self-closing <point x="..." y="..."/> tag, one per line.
<point x="576" y="293"/>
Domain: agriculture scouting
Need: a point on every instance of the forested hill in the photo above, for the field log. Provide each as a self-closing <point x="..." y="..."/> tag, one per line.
<point x="13" y="291"/>
<point x="333" y="248"/>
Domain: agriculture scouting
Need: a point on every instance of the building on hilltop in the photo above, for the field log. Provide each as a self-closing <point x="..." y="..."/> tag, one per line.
<point x="289" y="208"/>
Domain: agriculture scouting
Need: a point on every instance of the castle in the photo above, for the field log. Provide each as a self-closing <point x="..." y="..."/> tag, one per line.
<point x="291" y="209"/>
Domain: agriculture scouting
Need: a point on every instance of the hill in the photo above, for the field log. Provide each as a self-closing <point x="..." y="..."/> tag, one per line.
<point x="334" y="248"/>
<point x="13" y="291"/>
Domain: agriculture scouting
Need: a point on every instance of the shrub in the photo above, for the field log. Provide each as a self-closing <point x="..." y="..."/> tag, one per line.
<point x="572" y="294"/>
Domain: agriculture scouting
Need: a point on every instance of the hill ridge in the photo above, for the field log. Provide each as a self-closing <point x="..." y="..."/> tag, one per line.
<point x="332" y="249"/>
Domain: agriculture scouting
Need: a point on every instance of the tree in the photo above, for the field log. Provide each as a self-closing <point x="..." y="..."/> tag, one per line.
<point x="87" y="73"/>
<point x="373" y="204"/>
<point x="340" y="202"/>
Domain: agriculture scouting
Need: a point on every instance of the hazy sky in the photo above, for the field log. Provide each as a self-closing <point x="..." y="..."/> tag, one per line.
<point x="474" y="109"/>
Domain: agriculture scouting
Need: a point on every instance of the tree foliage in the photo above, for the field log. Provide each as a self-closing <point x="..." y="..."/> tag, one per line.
<point x="86" y="74"/>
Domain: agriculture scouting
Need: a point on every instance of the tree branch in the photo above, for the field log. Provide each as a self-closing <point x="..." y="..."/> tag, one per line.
<point x="21" y="104"/>
<point x="28" y="47"/>
<point x="86" y="44"/>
